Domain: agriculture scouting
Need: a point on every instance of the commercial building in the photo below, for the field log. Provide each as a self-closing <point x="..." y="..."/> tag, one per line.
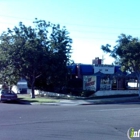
<point x="98" y="76"/>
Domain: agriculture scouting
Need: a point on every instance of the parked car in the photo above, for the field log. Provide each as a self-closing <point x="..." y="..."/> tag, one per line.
<point x="6" y="95"/>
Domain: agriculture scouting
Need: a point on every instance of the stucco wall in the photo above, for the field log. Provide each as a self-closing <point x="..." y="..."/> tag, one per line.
<point x="115" y="92"/>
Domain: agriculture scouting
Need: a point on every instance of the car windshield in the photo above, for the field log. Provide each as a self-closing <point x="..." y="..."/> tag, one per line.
<point x="6" y="92"/>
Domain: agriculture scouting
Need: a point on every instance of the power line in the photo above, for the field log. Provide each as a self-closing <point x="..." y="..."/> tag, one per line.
<point x="77" y="25"/>
<point x="79" y="31"/>
<point x="14" y="17"/>
<point x="85" y="32"/>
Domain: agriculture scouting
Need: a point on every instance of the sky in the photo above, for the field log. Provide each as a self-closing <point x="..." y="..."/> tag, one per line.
<point x="91" y="23"/>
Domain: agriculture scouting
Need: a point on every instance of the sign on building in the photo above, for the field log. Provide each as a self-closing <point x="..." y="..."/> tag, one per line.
<point x="106" y="69"/>
<point x="89" y="83"/>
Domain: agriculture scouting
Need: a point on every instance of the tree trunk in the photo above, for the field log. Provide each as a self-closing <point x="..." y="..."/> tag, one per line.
<point x="32" y="92"/>
<point x="32" y="89"/>
<point x="10" y="89"/>
<point x="138" y="85"/>
<point x="32" y="85"/>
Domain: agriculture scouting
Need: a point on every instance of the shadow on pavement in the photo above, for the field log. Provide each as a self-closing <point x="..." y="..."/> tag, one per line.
<point x="19" y="101"/>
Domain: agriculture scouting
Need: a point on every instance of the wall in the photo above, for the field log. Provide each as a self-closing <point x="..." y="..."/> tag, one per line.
<point x="89" y="83"/>
<point x="115" y="92"/>
<point x="106" y="69"/>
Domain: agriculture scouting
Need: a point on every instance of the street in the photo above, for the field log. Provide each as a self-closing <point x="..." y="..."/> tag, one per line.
<point x="89" y="122"/>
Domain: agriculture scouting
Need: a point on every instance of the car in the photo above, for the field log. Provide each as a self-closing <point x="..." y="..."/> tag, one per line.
<point x="6" y="95"/>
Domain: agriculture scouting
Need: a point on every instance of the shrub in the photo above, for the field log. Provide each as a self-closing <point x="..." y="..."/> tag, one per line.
<point x="87" y="93"/>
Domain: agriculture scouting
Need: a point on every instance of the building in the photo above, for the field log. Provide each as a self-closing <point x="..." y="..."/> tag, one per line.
<point x="22" y="85"/>
<point x="106" y="77"/>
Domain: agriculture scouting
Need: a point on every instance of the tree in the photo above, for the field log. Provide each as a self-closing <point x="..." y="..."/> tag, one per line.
<point x="7" y="73"/>
<point x="42" y="51"/>
<point x="126" y="53"/>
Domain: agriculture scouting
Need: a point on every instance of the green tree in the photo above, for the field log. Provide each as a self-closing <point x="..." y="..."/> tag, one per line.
<point x="7" y="73"/>
<point x="126" y="53"/>
<point x="42" y="51"/>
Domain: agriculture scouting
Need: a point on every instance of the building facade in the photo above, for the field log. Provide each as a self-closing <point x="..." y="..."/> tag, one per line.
<point x="108" y="77"/>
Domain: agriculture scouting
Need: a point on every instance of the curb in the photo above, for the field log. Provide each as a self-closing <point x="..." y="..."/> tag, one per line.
<point x="88" y="102"/>
<point x="113" y="101"/>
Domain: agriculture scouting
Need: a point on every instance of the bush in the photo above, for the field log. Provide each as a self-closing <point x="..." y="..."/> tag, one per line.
<point x="74" y="91"/>
<point x="87" y="93"/>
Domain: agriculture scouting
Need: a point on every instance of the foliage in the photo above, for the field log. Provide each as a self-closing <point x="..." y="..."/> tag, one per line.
<point x="75" y="83"/>
<point x="87" y="93"/>
<point x="7" y="73"/>
<point x="40" y="53"/>
<point x="126" y="53"/>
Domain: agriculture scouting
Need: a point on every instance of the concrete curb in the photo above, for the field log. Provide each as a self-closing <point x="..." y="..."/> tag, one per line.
<point x="116" y="100"/>
<point x="89" y="102"/>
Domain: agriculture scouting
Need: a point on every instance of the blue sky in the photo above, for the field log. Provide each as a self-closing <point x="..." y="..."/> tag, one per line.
<point x="91" y="23"/>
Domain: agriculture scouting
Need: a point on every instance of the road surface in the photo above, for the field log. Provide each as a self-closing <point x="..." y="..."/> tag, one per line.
<point x="89" y="122"/>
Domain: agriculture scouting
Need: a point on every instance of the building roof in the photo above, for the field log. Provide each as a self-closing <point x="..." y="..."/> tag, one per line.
<point x="99" y="74"/>
<point x="86" y="69"/>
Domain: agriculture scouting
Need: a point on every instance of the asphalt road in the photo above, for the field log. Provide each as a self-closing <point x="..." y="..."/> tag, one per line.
<point x="90" y="122"/>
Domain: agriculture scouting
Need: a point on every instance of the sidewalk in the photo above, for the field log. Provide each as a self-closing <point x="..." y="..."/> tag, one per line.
<point x="65" y="102"/>
<point x="134" y="99"/>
